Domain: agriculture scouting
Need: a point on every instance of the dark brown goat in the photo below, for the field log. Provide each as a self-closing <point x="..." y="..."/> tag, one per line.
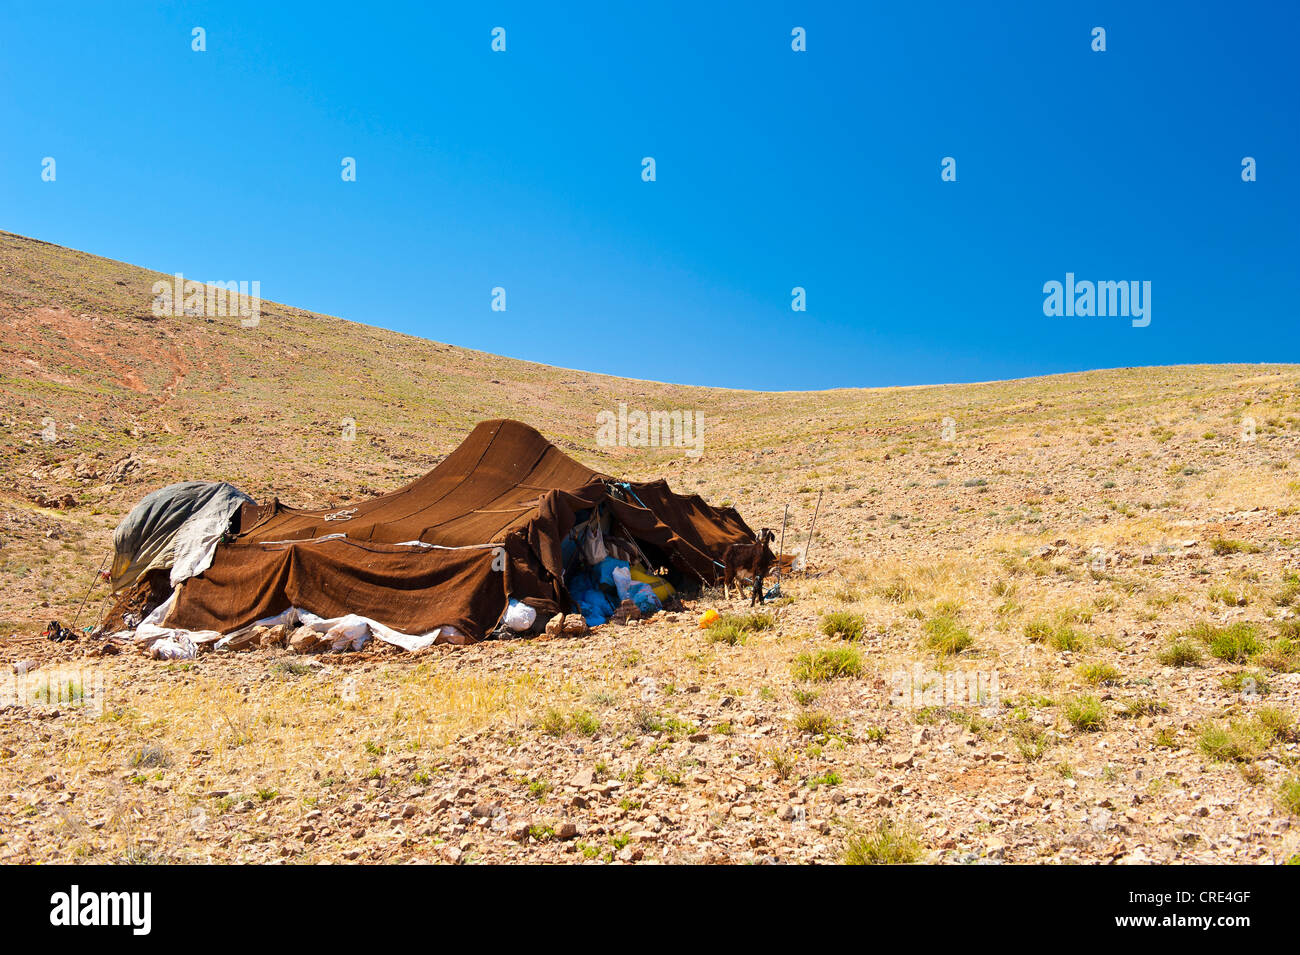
<point x="748" y="560"/>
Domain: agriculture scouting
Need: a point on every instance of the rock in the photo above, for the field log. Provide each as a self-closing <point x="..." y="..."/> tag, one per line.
<point x="277" y="636"/>
<point x="565" y="830"/>
<point x="61" y="502"/>
<point x="582" y="778"/>
<point x="626" y="613"/>
<point x="119" y="471"/>
<point x="305" y="640"/>
<point x="574" y="625"/>
<point x="904" y="762"/>
<point x="555" y="626"/>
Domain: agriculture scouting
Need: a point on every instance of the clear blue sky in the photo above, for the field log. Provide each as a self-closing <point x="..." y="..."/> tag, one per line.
<point x="775" y="169"/>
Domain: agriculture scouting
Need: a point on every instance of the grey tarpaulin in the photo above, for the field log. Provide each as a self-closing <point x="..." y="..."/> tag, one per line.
<point x="175" y="528"/>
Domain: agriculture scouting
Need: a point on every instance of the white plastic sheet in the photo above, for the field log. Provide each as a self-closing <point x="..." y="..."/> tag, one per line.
<point x="519" y="616"/>
<point x="349" y="631"/>
<point x="196" y="540"/>
<point x="179" y="647"/>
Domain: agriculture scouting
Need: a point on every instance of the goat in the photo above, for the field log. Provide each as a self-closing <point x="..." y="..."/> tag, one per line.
<point x="752" y="560"/>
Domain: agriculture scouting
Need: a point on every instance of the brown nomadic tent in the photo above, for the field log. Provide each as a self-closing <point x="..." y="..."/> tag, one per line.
<point x="506" y="515"/>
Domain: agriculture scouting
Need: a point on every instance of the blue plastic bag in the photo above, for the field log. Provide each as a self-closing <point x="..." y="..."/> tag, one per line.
<point x="592" y="604"/>
<point x="643" y="595"/>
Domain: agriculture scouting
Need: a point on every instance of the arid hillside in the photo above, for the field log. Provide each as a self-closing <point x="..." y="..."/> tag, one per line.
<point x="1110" y="557"/>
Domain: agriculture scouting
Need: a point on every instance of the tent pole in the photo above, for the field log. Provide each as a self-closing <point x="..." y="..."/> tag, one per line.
<point x="781" y="549"/>
<point x="93" y="581"/>
<point x="808" y="547"/>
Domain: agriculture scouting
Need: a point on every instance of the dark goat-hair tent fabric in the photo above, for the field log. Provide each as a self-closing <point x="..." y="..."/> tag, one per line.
<point x="496" y="511"/>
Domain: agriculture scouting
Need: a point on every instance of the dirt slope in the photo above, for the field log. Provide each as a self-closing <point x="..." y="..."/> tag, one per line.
<point x="1071" y="528"/>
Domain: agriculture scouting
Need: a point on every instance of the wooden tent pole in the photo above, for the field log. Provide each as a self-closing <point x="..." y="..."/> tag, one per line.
<point x="808" y="547"/>
<point x="781" y="549"/>
<point x="94" y="580"/>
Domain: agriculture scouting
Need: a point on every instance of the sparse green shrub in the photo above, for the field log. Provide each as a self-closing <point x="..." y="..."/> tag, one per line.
<point x="843" y="624"/>
<point x="1039" y="631"/>
<point x="1180" y="653"/>
<point x="1277" y="722"/>
<point x="946" y="636"/>
<point x="584" y="723"/>
<point x="555" y="723"/>
<point x="1075" y="615"/>
<point x="815" y="723"/>
<point x="1067" y="638"/>
<point x="538" y="788"/>
<point x="1098" y="674"/>
<point x="1228" y="596"/>
<point x="889" y="844"/>
<point x="1222" y="546"/>
<point x="552" y="723"/>
<point x="1282" y="654"/>
<point x="1031" y="741"/>
<point x="829" y="778"/>
<point x="1235" y="643"/>
<point x="783" y="762"/>
<point x="757" y="620"/>
<point x="1085" y="714"/>
<point x="733" y="629"/>
<point x="1143" y="706"/>
<point x="725" y="631"/>
<point x="899" y="590"/>
<point x="1286" y="595"/>
<point x="149" y="757"/>
<point x="1240" y="741"/>
<point x="823" y="665"/>
<point x="1289" y="797"/>
<point x="1250" y="682"/>
<point x="1058" y="636"/>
